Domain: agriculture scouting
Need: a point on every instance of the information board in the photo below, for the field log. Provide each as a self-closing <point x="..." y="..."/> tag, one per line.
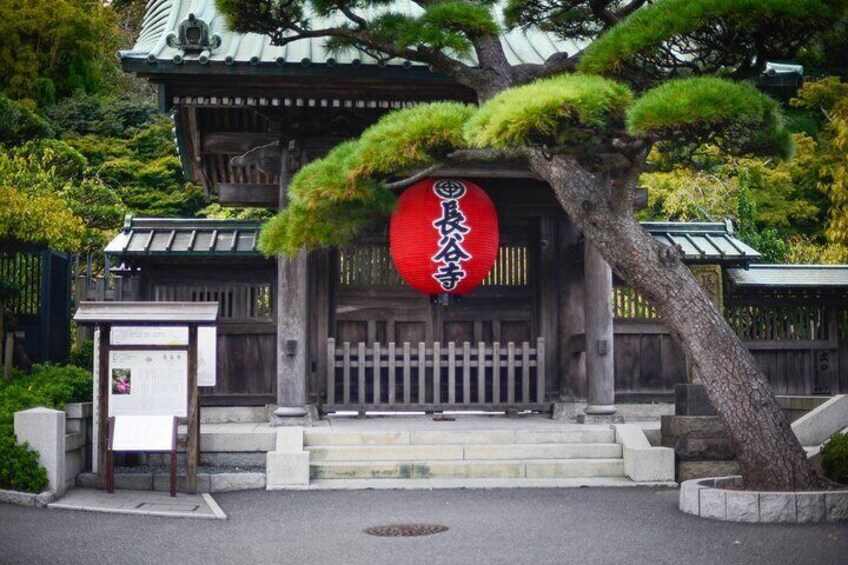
<point x="148" y="383"/>
<point x="143" y="433"/>
<point x="207" y="344"/>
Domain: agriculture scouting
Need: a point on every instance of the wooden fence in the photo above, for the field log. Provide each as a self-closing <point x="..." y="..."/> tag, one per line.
<point x="433" y="377"/>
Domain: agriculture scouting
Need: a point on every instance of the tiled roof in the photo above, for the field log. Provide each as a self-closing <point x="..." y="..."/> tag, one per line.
<point x="700" y="242"/>
<point x="185" y="237"/>
<point x="703" y="242"/>
<point x="241" y="52"/>
<point x="791" y="276"/>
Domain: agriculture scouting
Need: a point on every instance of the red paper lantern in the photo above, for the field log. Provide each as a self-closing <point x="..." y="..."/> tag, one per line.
<point x="443" y="236"/>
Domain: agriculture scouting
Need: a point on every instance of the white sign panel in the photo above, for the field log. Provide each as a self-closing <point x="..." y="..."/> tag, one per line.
<point x="207" y="349"/>
<point x="149" y="335"/>
<point x="207" y="355"/>
<point x="148" y="383"/>
<point x="143" y="433"/>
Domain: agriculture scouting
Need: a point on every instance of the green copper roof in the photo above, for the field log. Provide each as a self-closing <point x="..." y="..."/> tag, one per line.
<point x="791" y="276"/>
<point x="703" y="242"/>
<point x="191" y="237"/>
<point x="246" y="53"/>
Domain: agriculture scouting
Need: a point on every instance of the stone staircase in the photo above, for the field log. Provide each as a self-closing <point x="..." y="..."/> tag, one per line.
<point x="241" y="451"/>
<point x="383" y="459"/>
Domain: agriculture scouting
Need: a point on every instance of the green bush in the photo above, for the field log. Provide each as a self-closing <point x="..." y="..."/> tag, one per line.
<point x="45" y="385"/>
<point x="19" y="467"/>
<point x="19" y="124"/>
<point x="834" y="458"/>
<point x="82" y="355"/>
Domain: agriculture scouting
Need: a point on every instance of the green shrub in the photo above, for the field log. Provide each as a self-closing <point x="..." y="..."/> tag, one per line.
<point x="45" y="385"/>
<point x="19" y="124"/>
<point x="834" y="458"/>
<point x="82" y="355"/>
<point x="19" y="467"/>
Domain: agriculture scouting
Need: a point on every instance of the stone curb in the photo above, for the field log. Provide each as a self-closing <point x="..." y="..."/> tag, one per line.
<point x="27" y="499"/>
<point x="705" y="498"/>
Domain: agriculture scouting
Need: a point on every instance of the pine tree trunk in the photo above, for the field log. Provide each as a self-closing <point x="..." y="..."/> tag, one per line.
<point x="769" y="453"/>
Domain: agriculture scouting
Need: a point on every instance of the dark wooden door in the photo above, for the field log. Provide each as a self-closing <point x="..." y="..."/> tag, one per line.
<point x="372" y="304"/>
<point x="247" y="331"/>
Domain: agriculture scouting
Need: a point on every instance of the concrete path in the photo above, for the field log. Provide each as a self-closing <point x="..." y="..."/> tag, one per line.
<point x="574" y="526"/>
<point x="144" y="503"/>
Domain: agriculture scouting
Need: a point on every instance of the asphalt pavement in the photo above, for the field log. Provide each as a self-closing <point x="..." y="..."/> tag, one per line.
<point x="532" y="526"/>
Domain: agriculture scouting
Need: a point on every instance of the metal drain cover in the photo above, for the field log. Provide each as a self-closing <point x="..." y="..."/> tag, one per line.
<point x="406" y="530"/>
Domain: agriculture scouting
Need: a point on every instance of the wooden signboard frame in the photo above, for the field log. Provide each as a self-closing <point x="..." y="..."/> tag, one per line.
<point x="110" y="463"/>
<point x="105" y="315"/>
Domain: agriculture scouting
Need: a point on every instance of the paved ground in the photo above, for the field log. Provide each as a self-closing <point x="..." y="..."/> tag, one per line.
<point x="143" y="503"/>
<point x="579" y="526"/>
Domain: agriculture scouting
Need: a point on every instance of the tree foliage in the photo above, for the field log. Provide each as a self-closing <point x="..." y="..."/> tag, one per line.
<point x="796" y="201"/>
<point x="52" y="48"/>
<point x="708" y="36"/>
<point x="830" y="98"/>
<point x="562" y="110"/>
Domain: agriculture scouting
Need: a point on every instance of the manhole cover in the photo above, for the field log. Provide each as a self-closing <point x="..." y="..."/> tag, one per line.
<point x="406" y="530"/>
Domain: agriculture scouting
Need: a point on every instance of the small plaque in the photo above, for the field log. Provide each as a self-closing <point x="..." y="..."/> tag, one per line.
<point x="143" y="433"/>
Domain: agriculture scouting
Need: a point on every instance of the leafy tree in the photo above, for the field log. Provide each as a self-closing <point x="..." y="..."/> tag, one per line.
<point x="108" y="116"/>
<point x="586" y="134"/>
<point x="143" y="168"/>
<point x="52" y="48"/>
<point x="829" y="97"/>
<point x="18" y="123"/>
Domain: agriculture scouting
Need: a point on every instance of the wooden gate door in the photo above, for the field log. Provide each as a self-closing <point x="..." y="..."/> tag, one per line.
<point x="374" y="307"/>
<point x="247" y="330"/>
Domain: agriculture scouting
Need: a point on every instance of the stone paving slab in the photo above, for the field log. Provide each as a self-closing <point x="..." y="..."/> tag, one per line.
<point x="459" y="422"/>
<point x="436" y="484"/>
<point x="144" y="503"/>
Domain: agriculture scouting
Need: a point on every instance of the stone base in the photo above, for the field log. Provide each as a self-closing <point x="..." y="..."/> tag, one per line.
<point x="688" y="470"/>
<point x="600" y="419"/>
<point x="706" y="498"/>
<point x="304" y="416"/>
<point x="691" y="400"/>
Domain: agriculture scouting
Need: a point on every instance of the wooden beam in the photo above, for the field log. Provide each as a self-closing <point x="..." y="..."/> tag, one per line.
<point x="235" y="142"/>
<point x="265" y="195"/>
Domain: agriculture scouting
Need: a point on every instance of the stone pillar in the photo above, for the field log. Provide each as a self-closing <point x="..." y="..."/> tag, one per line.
<point x="44" y="430"/>
<point x="600" y="367"/>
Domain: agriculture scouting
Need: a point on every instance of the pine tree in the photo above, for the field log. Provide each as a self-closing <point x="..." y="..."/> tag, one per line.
<point x="664" y="73"/>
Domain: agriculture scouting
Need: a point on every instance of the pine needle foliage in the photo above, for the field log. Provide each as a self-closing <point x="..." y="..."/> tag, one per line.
<point x="647" y="29"/>
<point x="734" y="115"/>
<point x="554" y="109"/>
<point x="412" y="137"/>
<point x="334" y="198"/>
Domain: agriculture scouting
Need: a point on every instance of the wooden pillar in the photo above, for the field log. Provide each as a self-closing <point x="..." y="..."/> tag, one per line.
<point x="292" y="317"/>
<point x="103" y="401"/>
<point x="709" y="277"/>
<point x="292" y="342"/>
<point x="192" y="414"/>
<point x="600" y="365"/>
<point x="572" y="366"/>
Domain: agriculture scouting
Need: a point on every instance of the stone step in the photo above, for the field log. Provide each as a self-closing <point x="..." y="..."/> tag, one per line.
<point x="234" y="437"/>
<point x="465" y="452"/>
<point x="160" y="480"/>
<point x="323" y="438"/>
<point x="212" y="459"/>
<point x="430" y="484"/>
<point x="548" y="468"/>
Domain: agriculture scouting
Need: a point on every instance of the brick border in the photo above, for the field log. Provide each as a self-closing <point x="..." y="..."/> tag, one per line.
<point x="701" y="497"/>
